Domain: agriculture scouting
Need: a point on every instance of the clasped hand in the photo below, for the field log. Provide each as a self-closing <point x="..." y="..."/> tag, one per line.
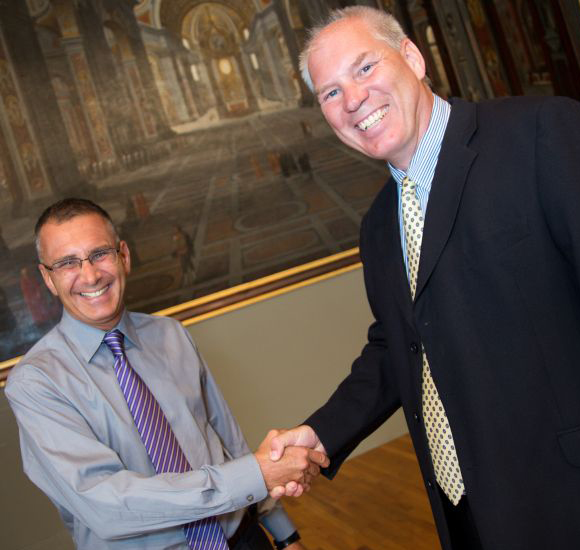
<point x="289" y="460"/>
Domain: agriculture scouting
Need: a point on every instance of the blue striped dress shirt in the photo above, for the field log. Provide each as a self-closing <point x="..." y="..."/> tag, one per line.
<point x="422" y="166"/>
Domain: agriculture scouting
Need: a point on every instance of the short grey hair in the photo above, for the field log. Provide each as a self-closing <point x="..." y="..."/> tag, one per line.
<point x="384" y="26"/>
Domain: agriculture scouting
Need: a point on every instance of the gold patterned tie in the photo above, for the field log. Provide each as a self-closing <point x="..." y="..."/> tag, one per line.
<point x="439" y="436"/>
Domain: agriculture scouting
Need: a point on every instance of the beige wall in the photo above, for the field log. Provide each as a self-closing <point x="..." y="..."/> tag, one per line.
<point x="276" y="361"/>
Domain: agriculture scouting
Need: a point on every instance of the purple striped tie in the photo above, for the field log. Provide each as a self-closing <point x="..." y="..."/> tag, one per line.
<point x="160" y="441"/>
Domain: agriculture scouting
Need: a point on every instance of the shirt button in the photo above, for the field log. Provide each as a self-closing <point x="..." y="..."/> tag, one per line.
<point x="250" y="498"/>
<point x="414" y="347"/>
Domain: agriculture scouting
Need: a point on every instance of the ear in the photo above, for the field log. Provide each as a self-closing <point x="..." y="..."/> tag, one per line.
<point x="125" y="256"/>
<point x="47" y="279"/>
<point x="412" y="57"/>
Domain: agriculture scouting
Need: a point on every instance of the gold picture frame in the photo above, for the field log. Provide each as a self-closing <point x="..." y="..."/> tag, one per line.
<point x="243" y="295"/>
<point x="189" y="122"/>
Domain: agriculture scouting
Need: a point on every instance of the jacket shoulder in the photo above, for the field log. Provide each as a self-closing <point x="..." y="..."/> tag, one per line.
<point x="376" y="211"/>
<point x="508" y="108"/>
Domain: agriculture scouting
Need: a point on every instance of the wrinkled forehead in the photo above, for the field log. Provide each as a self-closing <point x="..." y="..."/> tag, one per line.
<point x="339" y="47"/>
<point x="90" y="222"/>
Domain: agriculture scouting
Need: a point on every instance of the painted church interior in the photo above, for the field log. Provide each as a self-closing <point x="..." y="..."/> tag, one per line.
<point x="189" y="122"/>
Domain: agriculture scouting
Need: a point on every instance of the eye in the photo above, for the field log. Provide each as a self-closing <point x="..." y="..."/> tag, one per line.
<point x="331" y="94"/>
<point x="66" y="264"/>
<point x="100" y="255"/>
<point x="366" y="68"/>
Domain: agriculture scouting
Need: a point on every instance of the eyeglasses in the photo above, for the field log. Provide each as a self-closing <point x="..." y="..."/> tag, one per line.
<point x="104" y="256"/>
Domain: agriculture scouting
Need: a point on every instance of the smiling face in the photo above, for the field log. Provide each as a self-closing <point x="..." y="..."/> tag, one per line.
<point x="372" y="95"/>
<point x="93" y="294"/>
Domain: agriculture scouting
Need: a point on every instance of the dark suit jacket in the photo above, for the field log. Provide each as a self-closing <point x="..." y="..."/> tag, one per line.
<point x="497" y="309"/>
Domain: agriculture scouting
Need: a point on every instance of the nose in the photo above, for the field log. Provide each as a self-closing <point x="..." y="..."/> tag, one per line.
<point x="354" y="96"/>
<point x="89" y="273"/>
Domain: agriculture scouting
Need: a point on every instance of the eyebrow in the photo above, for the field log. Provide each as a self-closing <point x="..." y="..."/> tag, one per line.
<point x="359" y="59"/>
<point x="65" y="258"/>
<point x="73" y="256"/>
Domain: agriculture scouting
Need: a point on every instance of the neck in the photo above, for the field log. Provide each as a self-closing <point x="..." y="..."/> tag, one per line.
<point x="423" y="118"/>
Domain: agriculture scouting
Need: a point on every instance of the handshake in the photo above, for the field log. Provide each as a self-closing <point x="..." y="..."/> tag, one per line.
<point x="289" y="459"/>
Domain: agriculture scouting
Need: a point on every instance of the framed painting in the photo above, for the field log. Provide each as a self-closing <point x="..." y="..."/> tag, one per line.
<point x="189" y="123"/>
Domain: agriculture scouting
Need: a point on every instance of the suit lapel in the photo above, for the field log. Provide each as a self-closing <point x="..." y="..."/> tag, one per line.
<point x="386" y="240"/>
<point x="453" y="166"/>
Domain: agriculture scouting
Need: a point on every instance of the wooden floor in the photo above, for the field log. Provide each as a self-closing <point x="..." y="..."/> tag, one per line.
<point x="377" y="501"/>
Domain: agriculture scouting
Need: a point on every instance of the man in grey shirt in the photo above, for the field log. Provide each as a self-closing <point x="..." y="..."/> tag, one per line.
<point x="79" y="441"/>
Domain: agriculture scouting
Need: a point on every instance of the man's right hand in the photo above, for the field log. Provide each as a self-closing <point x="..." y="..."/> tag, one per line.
<point x="294" y="467"/>
<point x="302" y="436"/>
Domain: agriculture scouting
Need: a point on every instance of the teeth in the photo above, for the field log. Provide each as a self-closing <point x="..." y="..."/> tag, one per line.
<point x="372" y="119"/>
<point x="94" y="294"/>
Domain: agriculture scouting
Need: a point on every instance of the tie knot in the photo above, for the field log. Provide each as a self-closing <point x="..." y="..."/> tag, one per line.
<point x="408" y="184"/>
<point x="114" y="340"/>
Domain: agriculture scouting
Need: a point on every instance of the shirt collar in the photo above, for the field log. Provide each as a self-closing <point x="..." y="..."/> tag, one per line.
<point x="87" y="339"/>
<point x="127" y="327"/>
<point x="424" y="160"/>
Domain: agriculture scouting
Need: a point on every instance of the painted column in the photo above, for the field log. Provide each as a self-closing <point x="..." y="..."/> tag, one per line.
<point x="184" y="83"/>
<point x="220" y="105"/>
<point x="271" y="66"/>
<point x="95" y="117"/>
<point x="293" y="49"/>
<point x="468" y="64"/>
<point x="115" y="104"/>
<point x="17" y="128"/>
<point x="250" y="95"/>
<point x="73" y="47"/>
<point x="152" y="100"/>
<point x="198" y="103"/>
<point x="31" y="122"/>
<point x="147" y="121"/>
<point x="174" y="100"/>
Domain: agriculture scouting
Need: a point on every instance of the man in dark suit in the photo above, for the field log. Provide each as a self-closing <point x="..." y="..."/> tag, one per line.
<point x="476" y="302"/>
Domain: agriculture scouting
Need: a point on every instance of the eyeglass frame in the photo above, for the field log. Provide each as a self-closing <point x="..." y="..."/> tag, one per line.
<point x="52" y="269"/>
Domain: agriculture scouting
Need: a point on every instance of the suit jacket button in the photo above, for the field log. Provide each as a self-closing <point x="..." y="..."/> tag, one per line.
<point x="430" y="484"/>
<point x="416" y="417"/>
<point x="414" y="347"/>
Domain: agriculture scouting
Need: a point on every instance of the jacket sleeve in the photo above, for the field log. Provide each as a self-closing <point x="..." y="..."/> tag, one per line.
<point x="368" y="396"/>
<point x="558" y="173"/>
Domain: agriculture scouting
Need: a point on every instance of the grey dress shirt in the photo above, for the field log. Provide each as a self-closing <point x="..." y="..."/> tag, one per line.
<point x="80" y="445"/>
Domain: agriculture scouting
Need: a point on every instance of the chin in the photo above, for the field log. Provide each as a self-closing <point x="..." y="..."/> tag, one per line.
<point x="102" y="318"/>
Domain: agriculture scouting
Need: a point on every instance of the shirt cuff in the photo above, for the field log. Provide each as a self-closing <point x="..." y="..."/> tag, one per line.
<point x="277" y="522"/>
<point x="244" y="480"/>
